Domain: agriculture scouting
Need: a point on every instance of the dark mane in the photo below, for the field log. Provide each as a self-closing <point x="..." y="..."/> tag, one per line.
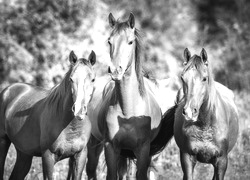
<point x="138" y="48"/>
<point x="57" y="94"/>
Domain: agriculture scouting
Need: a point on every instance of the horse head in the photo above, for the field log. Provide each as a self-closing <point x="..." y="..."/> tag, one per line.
<point x="122" y="46"/>
<point x="195" y="80"/>
<point x="82" y="79"/>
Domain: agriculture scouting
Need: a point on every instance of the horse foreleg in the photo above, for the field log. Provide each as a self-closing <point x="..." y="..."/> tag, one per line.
<point x="188" y="163"/>
<point x="220" y="167"/>
<point x="22" y="166"/>
<point x="122" y="167"/>
<point x="94" y="150"/>
<point x="111" y="156"/>
<point x="78" y="163"/>
<point x="48" y="162"/>
<point x="4" y="147"/>
<point x="143" y="161"/>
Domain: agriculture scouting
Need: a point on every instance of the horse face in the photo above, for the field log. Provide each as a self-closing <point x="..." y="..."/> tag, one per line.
<point x="195" y="84"/>
<point x="122" y="47"/>
<point x="82" y="82"/>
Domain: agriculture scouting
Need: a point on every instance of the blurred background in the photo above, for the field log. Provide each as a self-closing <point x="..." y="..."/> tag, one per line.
<point x="36" y="37"/>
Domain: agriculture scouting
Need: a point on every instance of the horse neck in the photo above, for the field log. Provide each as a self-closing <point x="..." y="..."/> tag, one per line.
<point x="127" y="91"/>
<point x="60" y="100"/>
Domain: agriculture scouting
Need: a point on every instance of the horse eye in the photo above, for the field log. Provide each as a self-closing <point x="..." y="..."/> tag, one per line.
<point x="130" y="42"/>
<point x="204" y="79"/>
<point x="71" y="80"/>
<point x="93" y="80"/>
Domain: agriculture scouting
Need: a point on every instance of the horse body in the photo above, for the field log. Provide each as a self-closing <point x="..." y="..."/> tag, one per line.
<point x="41" y="122"/>
<point x="206" y="120"/>
<point x="210" y="136"/>
<point x="124" y="113"/>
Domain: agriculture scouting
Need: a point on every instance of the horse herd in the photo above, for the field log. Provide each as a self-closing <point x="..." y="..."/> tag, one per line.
<point x="83" y="115"/>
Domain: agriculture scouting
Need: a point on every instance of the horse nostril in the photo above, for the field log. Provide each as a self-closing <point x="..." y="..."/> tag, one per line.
<point x="73" y="108"/>
<point x="183" y="112"/>
<point x="109" y="71"/>
<point x="195" y="110"/>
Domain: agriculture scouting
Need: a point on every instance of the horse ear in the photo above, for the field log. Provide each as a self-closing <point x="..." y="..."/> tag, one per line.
<point x="131" y="20"/>
<point x="92" y="58"/>
<point x="187" y="56"/>
<point x="204" y="56"/>
<point x="112" y="20"/>
<point x="72" y="57"/>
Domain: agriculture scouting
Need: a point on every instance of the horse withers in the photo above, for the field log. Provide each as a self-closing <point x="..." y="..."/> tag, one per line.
<point x="206" y="120"/>
<point x="48" y="123"/>
<point x="126" y="118"/>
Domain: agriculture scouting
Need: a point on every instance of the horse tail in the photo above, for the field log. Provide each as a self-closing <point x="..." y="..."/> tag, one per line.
<point x="166" y="131"/>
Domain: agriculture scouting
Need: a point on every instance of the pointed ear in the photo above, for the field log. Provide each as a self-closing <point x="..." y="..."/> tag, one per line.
<point x="72" y="57"/>
<point x="112" y="20"/>
<point x="131" y="20"/>
<point x="204" y="56"/>
<point x="187" y="56"/>
<point x="92" y="58"/>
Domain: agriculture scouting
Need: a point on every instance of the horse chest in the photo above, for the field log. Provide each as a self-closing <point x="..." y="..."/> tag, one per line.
<point x="202" y="144"/>
<point x="72" y="139"/>
<point x="127" y="131"/>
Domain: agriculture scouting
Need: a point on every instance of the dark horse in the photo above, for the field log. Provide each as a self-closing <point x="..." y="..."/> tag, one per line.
<point x="206" y="120"/>
<point x="125" y="116"/>
<point x="48" y="123"/>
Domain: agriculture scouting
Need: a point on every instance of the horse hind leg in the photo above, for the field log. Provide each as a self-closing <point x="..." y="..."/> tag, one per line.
<point x="22" y="166"/>
<point x="94" y="150"/>
<point x="4" y="147"/>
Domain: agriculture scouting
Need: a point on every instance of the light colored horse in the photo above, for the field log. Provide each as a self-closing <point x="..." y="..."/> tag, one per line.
<point x="126" y="118"/>
<point x="206" y="120"/>
<point x="48" y="123"/>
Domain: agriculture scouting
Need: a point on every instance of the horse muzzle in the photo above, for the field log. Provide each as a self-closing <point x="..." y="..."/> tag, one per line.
<point x="80" y="117"/>
<point x="115" y="73"/>
<point x="190" y="114"/>
<point x="81" y="114"/>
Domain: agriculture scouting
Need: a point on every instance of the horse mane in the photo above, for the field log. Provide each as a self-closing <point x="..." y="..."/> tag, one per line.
<point x="138" y="53"/>
<point x="57" y="93"/>
<point x="196" y="61"/>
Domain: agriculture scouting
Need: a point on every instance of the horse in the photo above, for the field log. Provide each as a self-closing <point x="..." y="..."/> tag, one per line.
<point x="206" y="120"/>
<point x="51" y="124"/>
<point x="126" y="119"/>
